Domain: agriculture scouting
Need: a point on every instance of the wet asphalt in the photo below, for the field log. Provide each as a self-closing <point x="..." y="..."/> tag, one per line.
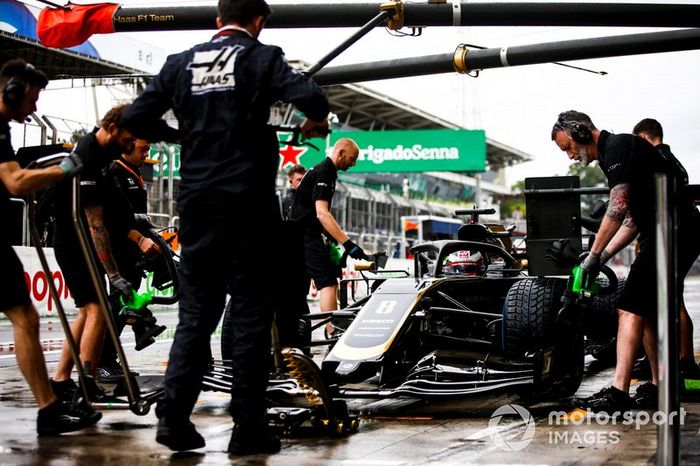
<point x="485" y="430"/>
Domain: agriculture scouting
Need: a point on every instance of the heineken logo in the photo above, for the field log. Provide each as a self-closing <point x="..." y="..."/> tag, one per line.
<point x="379" y="155"/>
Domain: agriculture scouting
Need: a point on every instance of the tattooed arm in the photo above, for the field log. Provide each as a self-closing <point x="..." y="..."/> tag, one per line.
<point x="623" y="237"/>
<point x="100" y="238"/>
<point x="618" y="208"/>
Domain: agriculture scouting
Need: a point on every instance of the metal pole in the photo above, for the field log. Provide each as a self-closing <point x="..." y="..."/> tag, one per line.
<point x="463" y="60"/>
<point x="380" y="18"/>
<point x="307" y="15"/>
<point x="171" y="177"/>
<point x="131" y="387"/>
<point x="668" y="432"/>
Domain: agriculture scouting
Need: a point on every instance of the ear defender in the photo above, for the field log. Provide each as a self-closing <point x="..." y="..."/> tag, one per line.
<point x="579" y="132"/>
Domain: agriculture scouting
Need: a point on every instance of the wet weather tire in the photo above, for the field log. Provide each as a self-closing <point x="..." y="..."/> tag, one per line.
<point x="530" y="327"/>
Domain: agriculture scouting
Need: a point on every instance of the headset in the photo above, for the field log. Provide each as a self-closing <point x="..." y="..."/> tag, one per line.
<point x="14" y="91"/>
<point x="579" y="132"/>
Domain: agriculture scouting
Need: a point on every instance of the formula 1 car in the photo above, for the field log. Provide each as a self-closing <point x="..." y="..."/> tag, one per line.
<point x="468" y="321"/>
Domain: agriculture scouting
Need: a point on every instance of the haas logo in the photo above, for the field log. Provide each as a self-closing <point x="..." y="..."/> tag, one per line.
<point x="212" y="70"/>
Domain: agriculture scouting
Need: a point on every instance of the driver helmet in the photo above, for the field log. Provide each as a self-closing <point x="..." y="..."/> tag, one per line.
<point x="464" y="263"/>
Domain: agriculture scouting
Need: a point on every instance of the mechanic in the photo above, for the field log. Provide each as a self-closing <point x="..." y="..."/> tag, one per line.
<point x="312" y="210"/>
<point x="21" y="84"/>
<point x="652" y="131"/>
<point x="294" y="175"/>
<point x="97" y="150"/>
<point x="129" y="196"/>
<point x="629" y="163"/>
<point x="222" y="92"/>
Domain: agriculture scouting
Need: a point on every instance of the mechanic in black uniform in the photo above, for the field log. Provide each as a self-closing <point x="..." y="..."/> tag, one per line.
<point x="97" y="150"/>
<point x="629" y="163"/>
<point x="652" y="131"/>
<point x="21" y="84"/>
<point x="221" y="92"/>
<point x="129" y="196"/>
<point x="294" y="176"/>
<point x="312" y="210"/>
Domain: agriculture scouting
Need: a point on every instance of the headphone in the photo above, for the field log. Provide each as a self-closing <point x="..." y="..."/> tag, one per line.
<point x="579" y="132"/>
<point x="14" y="91"/>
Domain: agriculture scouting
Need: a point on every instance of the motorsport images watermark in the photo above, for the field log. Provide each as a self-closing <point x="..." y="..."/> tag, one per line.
<point x="512" y="427"/>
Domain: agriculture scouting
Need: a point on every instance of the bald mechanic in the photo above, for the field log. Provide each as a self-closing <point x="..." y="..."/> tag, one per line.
<point x="630" y="164"/>
<point x="312" y="210"/>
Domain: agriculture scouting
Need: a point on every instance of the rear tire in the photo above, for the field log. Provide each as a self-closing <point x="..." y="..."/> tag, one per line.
<point x="530" y="326"/>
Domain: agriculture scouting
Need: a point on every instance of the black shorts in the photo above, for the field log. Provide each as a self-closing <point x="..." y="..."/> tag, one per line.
<point x="640" y="293"/>
<point x="318" y="262"/>
<point x="13" y="287"/>
<point x="76" y="274"/>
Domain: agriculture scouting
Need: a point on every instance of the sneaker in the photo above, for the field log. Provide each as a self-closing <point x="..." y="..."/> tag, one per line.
<point x="647" y="396"/>
<point x="109" y="374"/>
<point x="65" y="389"/>
<point x="178" y="437"/>
<point x="251" y="441"/>
<point x="60" y="417"/>
<point x="609" y="400"/>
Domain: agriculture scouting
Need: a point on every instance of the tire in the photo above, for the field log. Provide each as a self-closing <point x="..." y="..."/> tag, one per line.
<point x="600" y="315"/>
<point x="530" y="326"/>
<point x="600" y="325"/>
<point x="530" y="314"/>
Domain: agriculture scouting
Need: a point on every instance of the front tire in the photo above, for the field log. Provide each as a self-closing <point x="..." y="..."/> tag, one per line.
<point x="530" y="327"/>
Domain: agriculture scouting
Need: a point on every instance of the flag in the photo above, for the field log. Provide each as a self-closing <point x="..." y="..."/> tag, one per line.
<point x="74" y="24"/>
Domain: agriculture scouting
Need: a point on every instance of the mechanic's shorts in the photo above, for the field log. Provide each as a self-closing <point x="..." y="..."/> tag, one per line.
<point x="76" y="274"/>
<point x="318" y="262"/>
<point x="13" y="287"/>
<point x="640" y="293"/>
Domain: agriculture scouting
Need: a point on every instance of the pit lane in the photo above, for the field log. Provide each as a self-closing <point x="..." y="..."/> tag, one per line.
<point x="496" y="429"/>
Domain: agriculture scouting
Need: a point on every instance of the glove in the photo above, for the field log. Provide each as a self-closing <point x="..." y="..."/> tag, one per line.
<point x="590" y="268"/>
<point x="119" y="285"/>
<point x="354" y="250"/>
<point x="71" y="165"/>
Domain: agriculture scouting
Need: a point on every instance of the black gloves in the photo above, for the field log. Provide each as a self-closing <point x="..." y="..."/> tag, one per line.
<point x="354" y="250"/>
<point x="71" y="165"/>
<point x="119" y="285"/>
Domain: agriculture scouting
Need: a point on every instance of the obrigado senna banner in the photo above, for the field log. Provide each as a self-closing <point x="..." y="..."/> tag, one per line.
<point x="380" y="151"/>
<point x="401" y="151"/>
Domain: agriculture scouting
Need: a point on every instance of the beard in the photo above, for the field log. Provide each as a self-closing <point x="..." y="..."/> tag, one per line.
<point x="585" y="158"/>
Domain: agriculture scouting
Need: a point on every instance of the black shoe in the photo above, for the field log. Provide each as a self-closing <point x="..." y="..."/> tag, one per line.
<point x="647" y="396"/>
<point x="609" y="400"/>
<point x="253" y="440"/>
<point x="109" y="374"/>
<point x="60" y="417"/>
<point x="178" y="436"/>
<point x="64" y="390"/>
